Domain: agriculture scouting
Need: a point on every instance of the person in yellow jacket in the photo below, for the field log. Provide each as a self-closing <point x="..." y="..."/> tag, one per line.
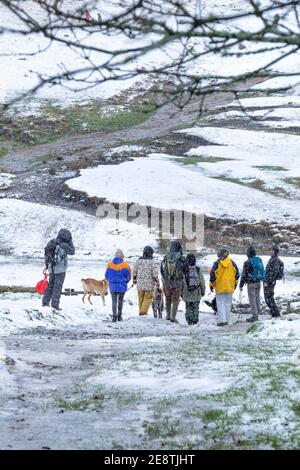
<point x="224" y="277"/>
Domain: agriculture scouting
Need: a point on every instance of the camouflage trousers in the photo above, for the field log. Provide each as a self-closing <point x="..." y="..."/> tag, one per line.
<point x="192" y="312"/>
<point x="270" y="301"/>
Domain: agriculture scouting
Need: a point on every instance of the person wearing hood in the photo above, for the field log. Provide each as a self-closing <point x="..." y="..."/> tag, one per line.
<point x="274" y="272"/>
<point x="224" y="277"/>
<point x="193" y="290"/>
<point x="118" y="274"/>
<point x="172" y="272"/>
<point x="56" y="260"/>
<point x="253" y="274"/>
<point x="145" y="276"/>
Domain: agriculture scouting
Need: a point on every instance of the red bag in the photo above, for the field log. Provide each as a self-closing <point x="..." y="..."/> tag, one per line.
<point x="42" y="286"/>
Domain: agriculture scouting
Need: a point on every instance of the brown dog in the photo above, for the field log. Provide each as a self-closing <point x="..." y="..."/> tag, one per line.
<point x="92" y="286"/>
<point x="158" y="302"/>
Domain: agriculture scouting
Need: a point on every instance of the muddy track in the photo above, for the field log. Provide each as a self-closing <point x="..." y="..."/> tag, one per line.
<point x="164" y="120"/>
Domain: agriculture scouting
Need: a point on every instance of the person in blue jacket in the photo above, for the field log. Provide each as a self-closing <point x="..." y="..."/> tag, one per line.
<point x="118" y="274"/>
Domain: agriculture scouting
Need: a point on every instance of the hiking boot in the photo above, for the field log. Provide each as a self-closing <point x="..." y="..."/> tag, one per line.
<point x="173" y="320"/>
<point x="114" y="319"/>
<point x="120" y="318"/>
<point x="251" y="319"/>
<point x="222" y="324"/>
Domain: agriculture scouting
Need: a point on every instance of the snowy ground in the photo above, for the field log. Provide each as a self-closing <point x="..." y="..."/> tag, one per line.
<point x="76" y="380"/>
<point x="170" y="386"/>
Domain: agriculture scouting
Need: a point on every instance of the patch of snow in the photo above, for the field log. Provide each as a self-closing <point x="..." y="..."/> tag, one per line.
<point x="266" y="102"/>
<point x="252" y="155"/>
<point x="124" y="149"/>
<point x="159" y="181"/>
<point x="27" y="227"/>
<point x="6" y="180"/>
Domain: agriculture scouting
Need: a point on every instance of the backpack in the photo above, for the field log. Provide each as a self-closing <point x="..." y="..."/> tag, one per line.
<point x="171" y="269"/>
<point x="258" y="270"/>
<point x="192" y="278"/>
<point x="280" y="274"/>
<point x="50" y="252"/>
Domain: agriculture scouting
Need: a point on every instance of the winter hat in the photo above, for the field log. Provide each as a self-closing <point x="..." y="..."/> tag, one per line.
<point x="190" y="259"/>
<point x="176" y="246"/>
<point x="119" y="253"/>
<point x="148" y="252"/>
<point x="275" y="248"/>
<point x="223" y="253"/>
<point x="251" y="252"/>
<point x="64" y="235"/>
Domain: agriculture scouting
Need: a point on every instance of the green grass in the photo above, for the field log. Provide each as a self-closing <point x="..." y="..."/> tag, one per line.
<point x="294" y="180"/>
<point x="55" y="122"/>
<point x="270" y="167"/>
<point x="255" y="184"/>
<point x="165" y="427"/>
<point x="296" y="408"/>
<point x="3" y="151"/>
<point x="212" y="415"/>
<point x="79" y="405"/>
<point x="194" y="160"/>
<point x="254" y="328"/>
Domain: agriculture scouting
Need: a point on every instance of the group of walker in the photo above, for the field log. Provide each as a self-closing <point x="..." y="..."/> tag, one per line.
<point x="182" y="278"/>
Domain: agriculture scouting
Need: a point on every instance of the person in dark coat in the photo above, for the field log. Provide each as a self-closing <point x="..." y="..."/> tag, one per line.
<point x="274" y="272"/>
<point x="172" y="273"/>
<point x="57" y="267"/>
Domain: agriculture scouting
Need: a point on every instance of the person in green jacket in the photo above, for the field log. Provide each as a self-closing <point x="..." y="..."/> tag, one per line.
<point x="193" y="289"/>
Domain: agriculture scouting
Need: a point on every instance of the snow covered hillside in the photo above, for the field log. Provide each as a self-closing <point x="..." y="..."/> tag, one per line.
<point x="38" y="56"/>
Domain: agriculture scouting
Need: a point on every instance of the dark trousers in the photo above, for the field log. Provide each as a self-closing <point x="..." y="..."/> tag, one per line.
<point x="53" y="291"/>
<point x="117" y="304"/>
<point x="270" y="300"/>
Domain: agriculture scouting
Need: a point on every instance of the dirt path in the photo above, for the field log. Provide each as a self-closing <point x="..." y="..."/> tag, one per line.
<point x="164" y="120"/>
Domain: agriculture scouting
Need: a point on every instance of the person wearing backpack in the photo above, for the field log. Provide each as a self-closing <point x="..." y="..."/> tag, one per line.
<point x="274" y="272"/>
<point x="145" y="276"/>
<point x="193" y="289"/>
<point x="172" y="273"/>
<point x="253" y="274"/>
<point x="56" y="261"/>
<point x="118" y="274"/>
<point x="224" y="277"/>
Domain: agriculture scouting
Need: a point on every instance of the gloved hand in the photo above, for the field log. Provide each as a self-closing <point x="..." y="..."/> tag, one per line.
<point x="211" y="289"/>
